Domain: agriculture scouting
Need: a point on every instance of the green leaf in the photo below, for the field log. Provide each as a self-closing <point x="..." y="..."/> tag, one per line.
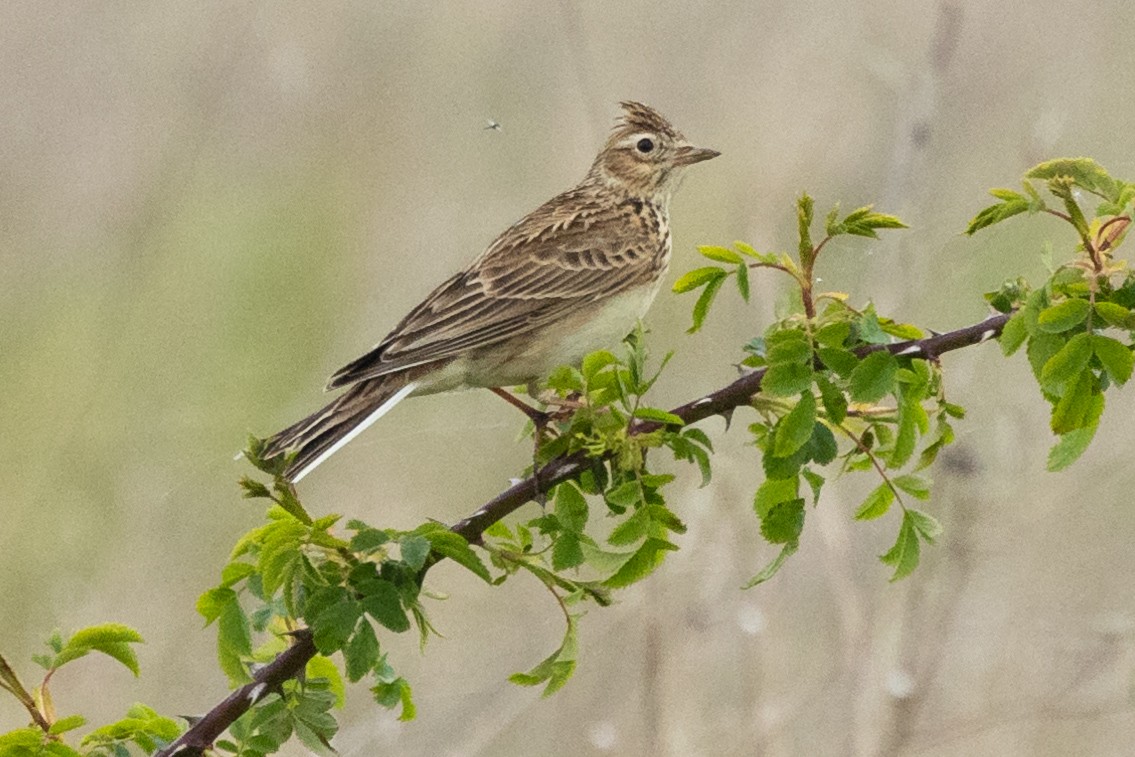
<point x="234" y="641"/>
<point x="743" y="281"/>
<point x="834" y="401"/>
<point x="1063" y="316"/>
<point x="721" y="254"/>
<point x="804" y="211"/>
<point x="642" y="563"/>
<point x="565" y="380"/>
<point x="626" y="494"/>
<point x="864" y="221"/>
<point x="368" y="539"/>
<point x="630" y="530"/>
<point x="141" y="725"/>
<point x="499" y="530"/>
<point x="390" y="694"/>
<point x="925" y="524"/>
<point x="322" y="667"/>
<point x="1011" y="204"/>
<point x="877" y="503"/>
<point x="557" y="668"/>
<point x="841" y="361"/>
<point x="445" y="542"/>
<point x="1085" y="172"/>
<point x="1072" y="409"/>
<point x="1070" y="447"/>
<point x="870" y="329"/>
<point x="361" y="652"/>
<point x="212" y="602"/>
<point x="69" y="723"/>
<point x="914" y="485"/>
<point x="280" y="552"/>
<point x="1014" y="334"/>
<point x="415" y="550"/>
<point x="779" y="468"/>
<point x="787" y="379"/>
<point x="1117" y="358"/>
<point x="789" y="346"/>
<point x="662" y="515"/>
<point x="112" y="639"/>
<point x="601" y="560"/>
<point x="773" y="491"/>
<point x="783" y="522"/>
<point x="334" y="625"/>
<point x="316" y="743"/>
<point x="658" y="416"/>
<point x="566" y="552"/>
<point x="833" y="334"/>
<point x="1071" y="360"/>
<point x="571" y="507"/>
<point x="701" y="307"/>
<point x="770" y="570"/>
<point x="905" y="439"/>
<point x="235" y="572"/>
<point x="21" y="742"/>
<point x="747" y="249"/>
<point x="699" y="277"/>
<point x="901" y="330"/>
<point x="382" y="602"/>
<point x="903" y="556"/>
<point x="874" y="377"/>
<point x="815" y="482"/>
<point x="1041" y="348"/>
<point x="595" y="362"/>
<point x="795" y="428"/>
<point x="822" y="446"/>
<point x="253" y="488"/>
<point x="1115" y="315"/>
<point x="93" y="637"/>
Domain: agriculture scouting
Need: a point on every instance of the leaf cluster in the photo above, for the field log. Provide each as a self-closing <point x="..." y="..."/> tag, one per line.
<point x="1077" y="327"/>
<point x="142" y="726"/>
<point x="831" y="394"/>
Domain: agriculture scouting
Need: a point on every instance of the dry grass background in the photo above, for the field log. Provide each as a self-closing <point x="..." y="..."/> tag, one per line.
<point x="207" y="207"/>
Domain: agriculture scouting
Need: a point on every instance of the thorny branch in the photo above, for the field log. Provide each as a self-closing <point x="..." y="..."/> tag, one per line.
<point x="291" y="662"/>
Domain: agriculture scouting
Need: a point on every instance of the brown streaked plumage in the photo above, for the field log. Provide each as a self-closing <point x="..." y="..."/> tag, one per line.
<point x="569" y="278"/>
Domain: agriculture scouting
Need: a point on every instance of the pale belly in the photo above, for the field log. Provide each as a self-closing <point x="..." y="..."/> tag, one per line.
<point x="533" y="356"/>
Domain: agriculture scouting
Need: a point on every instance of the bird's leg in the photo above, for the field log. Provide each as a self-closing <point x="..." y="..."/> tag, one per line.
<point x="540" y="420"/>
<point x="536" y="416"/>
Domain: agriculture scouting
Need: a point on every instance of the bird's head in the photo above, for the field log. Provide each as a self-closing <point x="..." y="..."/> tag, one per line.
<point x="645" y="155"/>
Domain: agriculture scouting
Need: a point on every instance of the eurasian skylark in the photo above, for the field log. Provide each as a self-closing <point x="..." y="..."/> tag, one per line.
<point x="569" y="278"/>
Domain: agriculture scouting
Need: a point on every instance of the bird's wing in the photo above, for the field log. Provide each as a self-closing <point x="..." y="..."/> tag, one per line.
<point x="537" y="272"/>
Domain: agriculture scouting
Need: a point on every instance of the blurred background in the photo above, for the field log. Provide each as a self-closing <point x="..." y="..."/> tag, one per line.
<point x="206" y="208"/>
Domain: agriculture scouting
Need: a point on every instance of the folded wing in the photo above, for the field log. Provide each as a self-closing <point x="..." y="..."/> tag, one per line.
<point x="537" y="272"/>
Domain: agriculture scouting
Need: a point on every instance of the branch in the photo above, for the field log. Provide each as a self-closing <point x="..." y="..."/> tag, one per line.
<point x="287" y="665"/>
<point x="721" y="402"/>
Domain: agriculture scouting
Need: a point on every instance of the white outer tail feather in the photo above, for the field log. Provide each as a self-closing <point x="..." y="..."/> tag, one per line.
<point x="382" y="410"/>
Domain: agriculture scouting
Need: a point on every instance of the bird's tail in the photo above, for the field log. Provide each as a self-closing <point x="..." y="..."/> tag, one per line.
<point x="322" y="433"/>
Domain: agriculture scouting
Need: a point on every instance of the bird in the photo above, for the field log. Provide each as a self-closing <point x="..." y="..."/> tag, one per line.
<point x="571" y="277"/>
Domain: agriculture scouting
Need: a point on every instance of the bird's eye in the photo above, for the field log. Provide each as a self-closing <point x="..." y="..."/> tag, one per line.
<point x="645" y="145"/>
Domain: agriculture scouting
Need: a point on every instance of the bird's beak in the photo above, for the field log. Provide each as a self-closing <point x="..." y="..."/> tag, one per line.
<point x="688" y="155"/>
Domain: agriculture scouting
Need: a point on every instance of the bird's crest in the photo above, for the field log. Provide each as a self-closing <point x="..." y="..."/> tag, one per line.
<point x="639" y="117"/>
